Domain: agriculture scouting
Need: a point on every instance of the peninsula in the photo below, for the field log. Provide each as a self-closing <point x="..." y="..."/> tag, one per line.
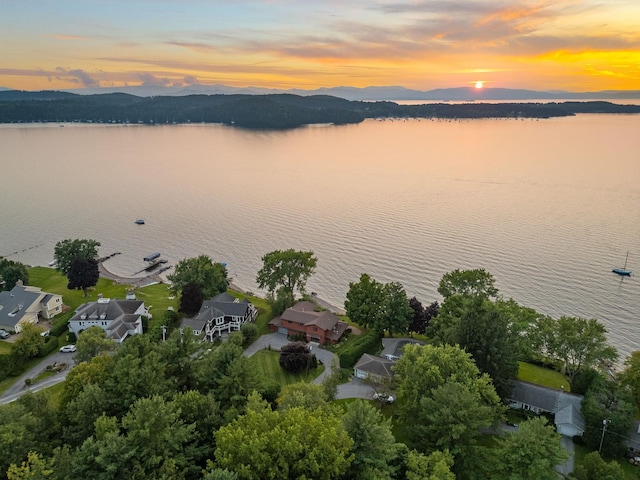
<point x="272" y="111"/>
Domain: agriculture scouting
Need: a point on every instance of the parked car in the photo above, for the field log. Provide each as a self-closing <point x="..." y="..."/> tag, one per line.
<point x="4" y="334"/>
<point x="68" y="349"/>
<point x="384" y="397"/>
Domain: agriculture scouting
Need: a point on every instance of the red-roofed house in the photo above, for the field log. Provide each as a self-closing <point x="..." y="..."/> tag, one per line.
<point x="302" y="319"/>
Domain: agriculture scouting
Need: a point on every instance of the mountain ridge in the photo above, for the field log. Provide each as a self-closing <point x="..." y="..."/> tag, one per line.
<point x="370" y="93"/>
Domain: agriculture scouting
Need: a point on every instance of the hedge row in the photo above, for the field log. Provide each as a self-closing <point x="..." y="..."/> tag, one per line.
<point x="370" y="342"/>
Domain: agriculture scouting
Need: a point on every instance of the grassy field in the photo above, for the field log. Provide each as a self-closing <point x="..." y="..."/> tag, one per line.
<point x="542" y="376"/>
<point x="267" y="366"/>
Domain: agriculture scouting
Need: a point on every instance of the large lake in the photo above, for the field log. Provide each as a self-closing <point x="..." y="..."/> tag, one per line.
<point x="548" y="206"/>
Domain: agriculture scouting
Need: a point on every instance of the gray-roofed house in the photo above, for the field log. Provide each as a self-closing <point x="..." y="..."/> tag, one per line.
<point x="565" y="407"/>
<point x="118" y="318"/>
<point x="372" y="366"/>
<point x="26" y="304"/>
<point x="223" y="313"/>
<point x="303" y="320"/>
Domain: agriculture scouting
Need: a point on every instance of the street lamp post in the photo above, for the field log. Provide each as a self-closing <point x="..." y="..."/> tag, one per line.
<point x="604" y="429"/>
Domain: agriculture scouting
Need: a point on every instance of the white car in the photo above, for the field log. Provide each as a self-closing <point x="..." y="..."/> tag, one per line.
<point x="383" y="397"/>
<point x="68" y="349"/>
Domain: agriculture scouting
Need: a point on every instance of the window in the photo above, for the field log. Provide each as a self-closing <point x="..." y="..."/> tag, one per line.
<point x="219" y="321"/>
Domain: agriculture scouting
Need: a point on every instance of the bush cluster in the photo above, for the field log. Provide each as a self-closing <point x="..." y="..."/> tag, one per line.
<point x="368" y="343"/>
<point x="296" y="356"/>
<point x="58" y="328"/>
<point x="51" y="344"/>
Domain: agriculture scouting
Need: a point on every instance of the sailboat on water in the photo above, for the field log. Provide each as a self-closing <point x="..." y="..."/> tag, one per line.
<point x="623" y="271"/>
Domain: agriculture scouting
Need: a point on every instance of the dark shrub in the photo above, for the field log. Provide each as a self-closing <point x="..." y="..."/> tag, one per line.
<point x="296" y="356"/>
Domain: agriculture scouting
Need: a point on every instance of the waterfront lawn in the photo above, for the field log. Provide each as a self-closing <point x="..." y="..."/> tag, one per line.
<point x="52" y="281"/>
<point x="542" y="376"/>
<point x="267" y="366"/>
<point x="155" y="297"/>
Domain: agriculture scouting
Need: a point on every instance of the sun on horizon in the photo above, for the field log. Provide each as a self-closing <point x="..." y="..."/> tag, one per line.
<point x="479" y="85"/>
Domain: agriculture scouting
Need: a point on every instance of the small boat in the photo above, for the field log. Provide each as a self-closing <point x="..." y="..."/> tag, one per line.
<point x="623" y="271"/>
<point x="140" y="221"/>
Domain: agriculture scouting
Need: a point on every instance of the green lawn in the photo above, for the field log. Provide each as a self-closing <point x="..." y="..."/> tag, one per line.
<point x="5" y="347"/>
<point x="267" y="366"/>
<point x="542" y="376"/>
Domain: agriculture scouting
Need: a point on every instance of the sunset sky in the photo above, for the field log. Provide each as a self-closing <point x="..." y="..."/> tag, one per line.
<point x="581" y="45"/>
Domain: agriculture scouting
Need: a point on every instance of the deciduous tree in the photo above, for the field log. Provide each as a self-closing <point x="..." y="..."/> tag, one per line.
<point x="607" y="406"/>
<point x="285" y="272"/>
<point x="468" y="282"/>
<point x="532" y="451"/>
<point x="364" y="301"/>
<point x="93" y="342"/>
<point x="191" y="299"/>
<point x="296" y="357"/>
<point x="304" y="395"/>
<point x="374" y="447"/>
<point x="11" y="272"/>
<point x="295" y="443"/>
<point x="593" y="467"/>
<point x="66" y="251"/>
<point x="395" y="313"/>
<point x="630" y="376"/>
<point x="209" y="276"/>
<point x="578" y="343"/>
<point x="229" y="376"/>
<point x="34" y="468"/>
<point x="82" y="274"/>
<point x="484" y="332"/>
<point x="421" y="315"/>
<point x="444" y="399"/>
<point x="435" y="466"/>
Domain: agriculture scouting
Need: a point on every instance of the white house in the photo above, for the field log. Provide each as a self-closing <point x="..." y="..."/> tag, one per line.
<point x="223" y="313"/>
<point x="118" y="318"/>
<point x="25" y="304"/>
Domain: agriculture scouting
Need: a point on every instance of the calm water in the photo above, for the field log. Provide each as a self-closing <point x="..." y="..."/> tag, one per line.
<point x="548" y="207"/>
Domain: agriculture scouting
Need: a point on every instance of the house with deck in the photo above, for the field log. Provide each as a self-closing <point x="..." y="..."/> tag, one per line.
<point x="315" y="326"/>
<point x="118" y="318"/>
<point x="26" y="304"/>
<point x="223" y="313"/>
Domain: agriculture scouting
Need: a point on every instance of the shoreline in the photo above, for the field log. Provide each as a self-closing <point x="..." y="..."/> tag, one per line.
<point x="140" y="282"/>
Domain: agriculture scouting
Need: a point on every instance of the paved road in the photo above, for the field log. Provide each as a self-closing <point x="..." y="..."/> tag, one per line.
<point x="19" y="388"/>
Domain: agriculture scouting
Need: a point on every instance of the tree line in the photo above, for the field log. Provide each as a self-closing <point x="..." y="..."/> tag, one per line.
<point x="272" y="111"/>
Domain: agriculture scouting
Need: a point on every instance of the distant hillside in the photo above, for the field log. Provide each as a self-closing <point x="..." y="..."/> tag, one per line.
<point x="274" y="111"/>
<point x="392" y="93"/>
